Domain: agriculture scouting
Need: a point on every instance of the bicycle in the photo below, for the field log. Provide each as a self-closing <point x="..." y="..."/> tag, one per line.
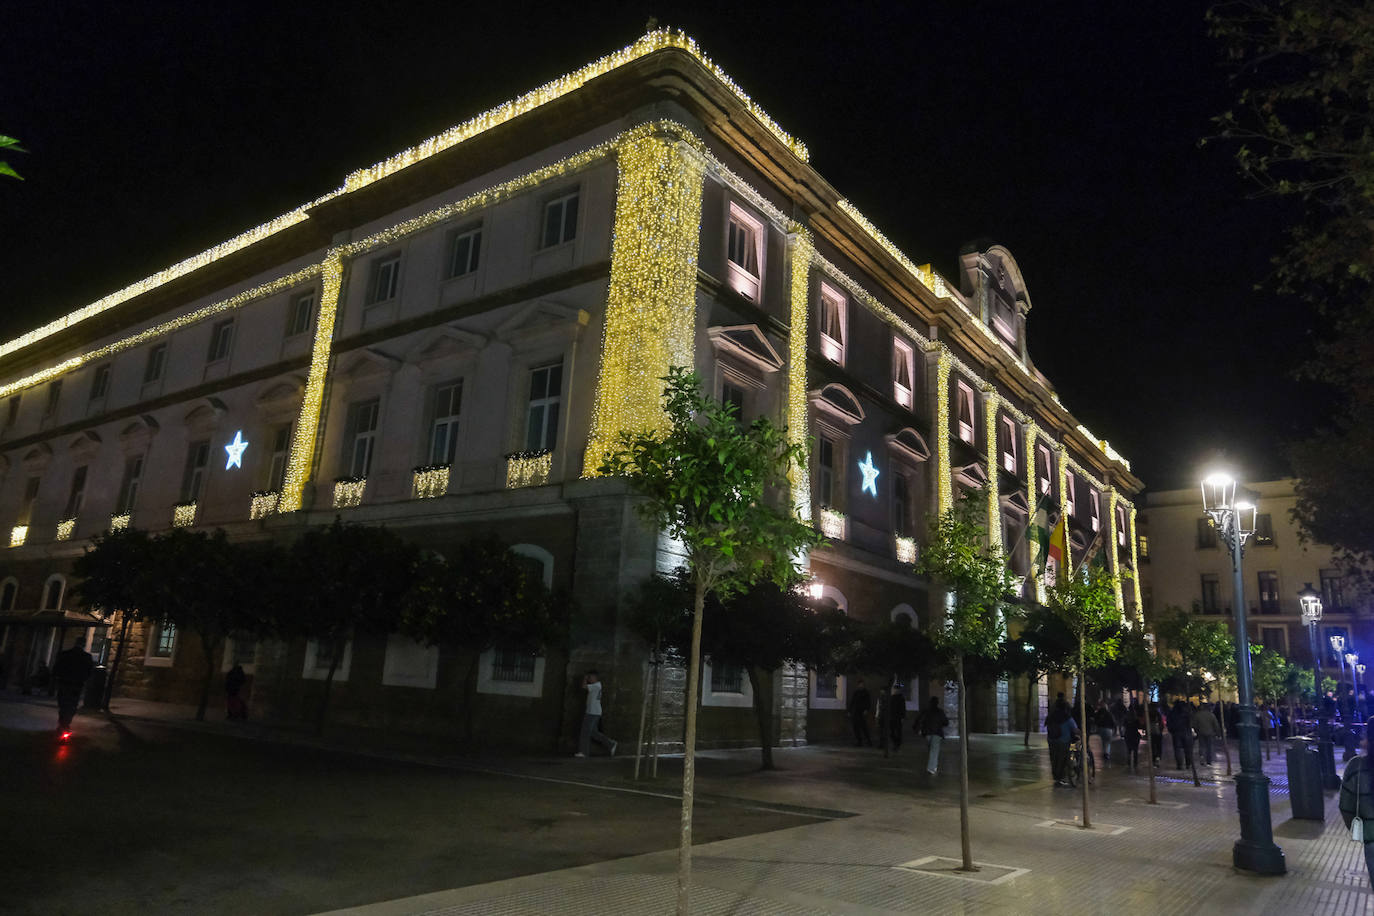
<point x="1076" y="763"/>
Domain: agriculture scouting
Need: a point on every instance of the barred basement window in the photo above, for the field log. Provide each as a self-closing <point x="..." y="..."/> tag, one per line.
<point x="164" y="641"/>
<point x="727" y="678"/>
<point x="827" y="685"/>
<point x="513" y="665"/>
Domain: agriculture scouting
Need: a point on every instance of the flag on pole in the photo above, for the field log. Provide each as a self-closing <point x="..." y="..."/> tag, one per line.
<point x="1058" y="549"/>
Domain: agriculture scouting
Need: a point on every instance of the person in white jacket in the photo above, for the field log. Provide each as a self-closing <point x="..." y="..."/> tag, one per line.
<point x="591" y="718"/>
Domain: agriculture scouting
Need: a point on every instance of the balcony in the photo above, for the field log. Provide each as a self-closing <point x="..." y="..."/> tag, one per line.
<point x="906" y="549"/>
<point x="18" y="535"/>
<point x="528" y="469"/>
<point x="184" y="515"/>
<point x="348" y="492"/>
<point x="263" y="504"/>
<point x="430" y="482"/>
<point x="832" y="523"/>
<point x="65" y="529"/>
<point x="120" y="522"/>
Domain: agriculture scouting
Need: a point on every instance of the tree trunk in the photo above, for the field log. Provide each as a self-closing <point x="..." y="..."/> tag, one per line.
<point x="1083" y="733"/>
<point x="761" y="682"/>
<point x="1149" y="739"/>
<point x="684" y="850"/>
<point x="1225" y="747"/>
<point x="643" y="714"/>
<point x="965" y="842"/>
<point x="653" y="731"/>
<point x="209" y="679"/>
<point x="338" y="647"/>
<point x="1031" y="683"/>
<point x="119" y="654"/>
<point x="469" y="693"/>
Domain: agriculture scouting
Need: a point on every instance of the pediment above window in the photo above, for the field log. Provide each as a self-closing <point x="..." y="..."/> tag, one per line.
<point x="746" y="343"/>
<point x="280" y="399"/>
<point x="368" y="362"/>
<point x="1016" y="504"/>
<point x="37" y="458"/>
<point x="137" y="435"/>
<point x="909" y="444"/>
<point x="974" y="475"/>
<point x="838" y="402"/>
<point x="445" y="343"/>
<point x="1078" y="542"/>
<point x="84" y="445"/>
<point x="203" y="419"/>
<point x="539" y="322"/>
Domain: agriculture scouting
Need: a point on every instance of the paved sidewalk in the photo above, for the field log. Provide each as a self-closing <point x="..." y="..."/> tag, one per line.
<point x="892" y="855"/>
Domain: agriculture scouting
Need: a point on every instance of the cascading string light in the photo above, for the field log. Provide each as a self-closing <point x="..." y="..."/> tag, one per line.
<point x="990" y="400"/>
<point x="528" y="469"/>
<point x="944" y="486"/>
<point x="801" y="250"/>
<point x="430" y="482"/>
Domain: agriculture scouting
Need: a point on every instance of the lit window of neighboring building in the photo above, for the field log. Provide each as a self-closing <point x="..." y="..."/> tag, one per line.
<point x="903" y="373"/>
<point x="464" y="250"/>
<point x="513" y="665"/>
<point x="832" y="324"/>
<point x="361" y="436"/>
<point x="384" y="281"/>
<point x="164" y="640"/>
<point x="560" y="220"/>
<point x="1211" y="594"/>
<point x="1268" y="592"/>
<point x="1333" y="589"/>
<point x="726" y="678"/>
<point x="963" y="407"/>
<point x="541" y="415"/>
<point x="443" y="426"/>
<point x="1144" y="549"/>
<point x="1264" y="530"/>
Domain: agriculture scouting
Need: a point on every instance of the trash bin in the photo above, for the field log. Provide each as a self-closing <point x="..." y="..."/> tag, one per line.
<point x="95" y="688"/>
<point x="1305" y="779"/>
<point x="1330" y="778"/>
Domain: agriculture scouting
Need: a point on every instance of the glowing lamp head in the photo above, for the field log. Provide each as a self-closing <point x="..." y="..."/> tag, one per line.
<point x="816" y="589"/>
<point x="1338" y="643"/>
<point x="1218" y="491"/>
<point x="1311" y="602"/>
<point x="1351" y="658"/>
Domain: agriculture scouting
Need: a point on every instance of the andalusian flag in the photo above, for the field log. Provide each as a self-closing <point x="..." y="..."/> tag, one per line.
<point x="1058" y="549"/>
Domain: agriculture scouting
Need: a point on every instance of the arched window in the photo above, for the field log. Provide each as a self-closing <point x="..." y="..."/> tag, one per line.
<point x="905" y="611"/>
<point x="515" y="672"/>
<point x="828" y="689"/>
<point x="9" y="592"/>
<point x="53" y="591"/>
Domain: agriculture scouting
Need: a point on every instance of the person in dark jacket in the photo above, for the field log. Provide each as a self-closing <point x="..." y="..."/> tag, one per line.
<point x="233" y="686"/>
<point x="1104" y="724"/>
<point x="1156" y="733"/>
<point x="932" y="722"/>
<point x="1181" y="733"/>
<point x="73" y="667"/>
<point x="859" y="705"/>
<point x="1060" y="729"/>
<point x="896" y="715"/>
<point x="1131" y="728"/>
<point x="1357" y="799"/>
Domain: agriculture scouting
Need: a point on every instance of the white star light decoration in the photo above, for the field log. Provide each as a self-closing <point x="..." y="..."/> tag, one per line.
<point x="870" y="472"/>
<point x="235" y="450"/>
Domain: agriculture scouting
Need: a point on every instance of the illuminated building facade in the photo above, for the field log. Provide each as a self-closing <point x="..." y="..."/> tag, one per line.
<point x="447" y="343"/>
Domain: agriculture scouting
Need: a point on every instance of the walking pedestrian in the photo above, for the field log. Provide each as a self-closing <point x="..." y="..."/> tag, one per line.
<point x="932" y="722"/>
<point x="896" y="715"/>
<point x="1207" y="728"/>
<point x="591" y="718"/>
<point x="1181" y="734"/>
<point x="1060" y="730"/>
<point x="1357" y="800"/>
<point x="1131" y="727"/>
<point x="1105" y="726"/>
<point x="859" y="705"/>
<point x="70" y="671"/>
<point x="1156" y="733"/>
<point x="233" y="686"/>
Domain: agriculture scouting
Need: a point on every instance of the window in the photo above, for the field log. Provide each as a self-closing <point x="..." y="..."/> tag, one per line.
<point x="732" y="395"/>
<point x="1264" y="530"/>
<point x="193" y="479"/>
<point x="744" y="253"/>
<point x="827" y="685"/>
<point x="361" y="437"/>
<point x="1268" y="592"/>
<point x="1206" y="534"/>
<point x="299" y="311"/>
<point x="30" y="497"/>
<point x="560" y="221"/>
<point x="901" y="506"/>
<point x="1095" y="508"/>
<point x="100" y="382"/>
<point x="1121" y="522"/>
<point x="1275" y="638"/>
<point x="77" y="494"/>
<point x="464" y="250"/>
<point x="963" y="405"/>
<point x="903" y="371"/>
<point x="8" y="595"/>
<point x="1008" y="427"/>
<point x="1043" y="463"/>
<point x="52" y="593"/>
<point x="245" y="650"/>
<point x="513" y="665"/>
<point x="384" y="279"/>
<point x="221" y="340"/>
<point x="832" y="324"/>
<point x="541" y="418"/>
<point x="128" y="486"/>
<point x="1333" y="590"/>
<point x="281" y="449"/>
<point x="12" y="410"/>
<point x="443" y="428"/>
<point x="1211" y="602"/>
<point x="157" y="362"/>
<point x="1144" y="547"/>
<point x="164" y="640"/>
<point x="726" y="678"/>
<point x="54" y="395"/>
<point x="1070" y="494"/>
<point x="825" y="471"/>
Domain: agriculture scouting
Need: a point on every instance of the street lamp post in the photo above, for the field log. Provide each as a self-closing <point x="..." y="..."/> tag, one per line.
<point x="1359" y="694"/>
<point x="1311" y="602"/>
<point x="1233" y="515"/>
<point x="1337" y="647"/>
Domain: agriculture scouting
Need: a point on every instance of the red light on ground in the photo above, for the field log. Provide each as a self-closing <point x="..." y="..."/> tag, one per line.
<point x="66" y="736"/>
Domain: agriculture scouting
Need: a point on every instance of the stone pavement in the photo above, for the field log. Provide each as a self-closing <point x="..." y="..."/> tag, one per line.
<point x="889" y="831"/>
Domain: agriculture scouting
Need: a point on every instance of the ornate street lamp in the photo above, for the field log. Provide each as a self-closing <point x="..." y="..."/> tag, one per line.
<point x="1233" y="515"/>
<point x="1337" y="647"/>
<point x="1311" y="602"/>
<point x="1359" y="694"/>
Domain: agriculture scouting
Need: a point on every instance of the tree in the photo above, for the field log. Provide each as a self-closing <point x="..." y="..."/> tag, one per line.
<point x="481" y="597"/>
<point x="343" y="582"/>
<point x="1204" y="653"/>
<point x="896" y="649"/>
<point x="959" y="557"/>
<point x="9" y="143"/>
<point x="660" y="613"/>
<point x="1086" y="603"/>
<point x="761" y="629"/>
<point x="1304" y="128"/>
<point x="1043" y="645"/>
<point x="713" y="486"/>
<point x="1136" y="648"/>
<point x="110" y="575"/>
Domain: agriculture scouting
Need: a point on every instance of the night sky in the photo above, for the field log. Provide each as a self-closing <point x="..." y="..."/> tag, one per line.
<point x="1066" y="132"/>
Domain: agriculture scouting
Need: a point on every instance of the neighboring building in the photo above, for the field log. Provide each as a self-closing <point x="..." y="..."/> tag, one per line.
<point x="1185" y="565"/>
<point x="447" y="344"/>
